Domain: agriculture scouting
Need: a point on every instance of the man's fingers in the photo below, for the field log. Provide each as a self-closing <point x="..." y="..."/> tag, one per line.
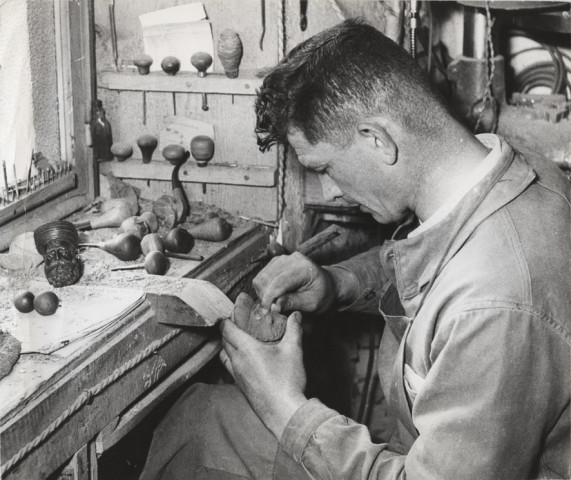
<point x="234" y="335"/>
<point x="227" y="362"/>
<point x="242" y="308"/>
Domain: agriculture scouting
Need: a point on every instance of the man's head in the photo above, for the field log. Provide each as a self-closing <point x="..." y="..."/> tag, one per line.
<point x="57" y="242"/>
<point x="330" y="82"/>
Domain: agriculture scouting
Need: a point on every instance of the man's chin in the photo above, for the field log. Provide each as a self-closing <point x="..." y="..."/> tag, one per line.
<point x="373" y="214"/>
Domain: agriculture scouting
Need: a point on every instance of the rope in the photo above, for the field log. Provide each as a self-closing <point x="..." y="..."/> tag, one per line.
<point x="86" y="398"/>
<point x="281" y="149"/>
<point x="488" y="95"/>
<point x="338" y="11"/>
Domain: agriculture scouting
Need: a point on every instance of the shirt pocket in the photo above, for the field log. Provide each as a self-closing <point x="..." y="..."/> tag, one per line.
<point x="413" y="383"/>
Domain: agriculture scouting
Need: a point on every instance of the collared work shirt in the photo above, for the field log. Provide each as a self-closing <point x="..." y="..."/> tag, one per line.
<point x="475" y="363"/>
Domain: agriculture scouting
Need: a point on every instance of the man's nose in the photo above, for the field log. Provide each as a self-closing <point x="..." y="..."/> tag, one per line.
<point x="330" y="189"/>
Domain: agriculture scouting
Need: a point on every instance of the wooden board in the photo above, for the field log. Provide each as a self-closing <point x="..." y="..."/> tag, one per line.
<point x="181" y="82"/>
<point x="190" y="172"/>
<point x="135" y="335"/>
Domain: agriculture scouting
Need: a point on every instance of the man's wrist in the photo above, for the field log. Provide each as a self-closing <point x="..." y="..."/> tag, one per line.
<point x="280" y="416"/>
<point x="345" y="285"/>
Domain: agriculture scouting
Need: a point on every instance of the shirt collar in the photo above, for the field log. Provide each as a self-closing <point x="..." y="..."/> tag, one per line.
<point x="413" y="261"/>
<point x="490" y="141"/>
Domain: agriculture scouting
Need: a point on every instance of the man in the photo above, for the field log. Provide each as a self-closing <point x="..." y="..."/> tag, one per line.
<point x="475" y="360"/>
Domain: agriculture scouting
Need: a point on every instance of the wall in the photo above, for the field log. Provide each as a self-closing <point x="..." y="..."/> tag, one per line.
<point x="232" y="115"/>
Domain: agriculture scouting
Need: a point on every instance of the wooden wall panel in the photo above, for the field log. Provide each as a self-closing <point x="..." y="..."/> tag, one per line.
<point x="243" y="16"/>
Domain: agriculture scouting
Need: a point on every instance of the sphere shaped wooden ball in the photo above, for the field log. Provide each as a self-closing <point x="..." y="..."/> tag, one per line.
<point x="230" y="52"/>
<point x="170" y="65"/>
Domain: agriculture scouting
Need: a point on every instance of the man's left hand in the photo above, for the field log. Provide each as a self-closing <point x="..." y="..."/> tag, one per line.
<point x="271" y="376"/>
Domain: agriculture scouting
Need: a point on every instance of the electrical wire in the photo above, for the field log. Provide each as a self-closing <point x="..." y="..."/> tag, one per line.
<point x="553" y="75"/>
<point x="369" y="372"/>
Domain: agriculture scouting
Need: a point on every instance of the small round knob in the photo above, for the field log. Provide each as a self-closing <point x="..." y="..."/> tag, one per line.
<point x="201" y="61"/>
<point x="170" y="65"/>
<point x="143" y="63"/>
<point x="202" y="149"/>
<point x="147" y="143"/>
<point x="175" y="154"/>
<point x="122" y="151"/>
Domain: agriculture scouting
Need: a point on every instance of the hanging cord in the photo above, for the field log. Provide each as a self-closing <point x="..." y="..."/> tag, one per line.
<point x="488" y="96"/>
<point x="368" y="393"/>
<point x="86" y="398"/>
<point x="413" y="24"/>
<point x="282" y="149"/>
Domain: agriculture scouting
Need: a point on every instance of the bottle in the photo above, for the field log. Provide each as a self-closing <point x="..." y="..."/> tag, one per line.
<point x="102" y="137"/>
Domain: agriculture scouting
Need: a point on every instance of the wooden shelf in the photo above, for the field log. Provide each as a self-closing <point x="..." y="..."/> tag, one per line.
<point x="187" y="82"/>
<point x="190" y="172"/>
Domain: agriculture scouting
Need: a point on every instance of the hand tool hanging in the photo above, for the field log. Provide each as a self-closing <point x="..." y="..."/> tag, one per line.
<point x="303" y="14"/>
<point x="113" y="29"/>
<point x="263" y="5"/>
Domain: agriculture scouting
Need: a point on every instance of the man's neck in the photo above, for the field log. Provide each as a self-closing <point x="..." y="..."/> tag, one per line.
<point x="446" y="165"/>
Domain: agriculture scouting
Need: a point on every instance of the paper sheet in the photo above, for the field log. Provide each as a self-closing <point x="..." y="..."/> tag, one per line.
<point x="181" y="130"/>
<point x="177" y="31"/>
<point x="82" y="311"/>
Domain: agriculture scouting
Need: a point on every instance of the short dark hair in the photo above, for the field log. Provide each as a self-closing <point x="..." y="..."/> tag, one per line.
<point x="333" y="79"/>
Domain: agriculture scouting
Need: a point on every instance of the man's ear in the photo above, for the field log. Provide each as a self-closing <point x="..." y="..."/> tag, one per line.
<point x="377" y="137"/>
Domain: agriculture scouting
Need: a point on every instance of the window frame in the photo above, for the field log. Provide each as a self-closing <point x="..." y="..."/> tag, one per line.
<point x="72" y="191"/>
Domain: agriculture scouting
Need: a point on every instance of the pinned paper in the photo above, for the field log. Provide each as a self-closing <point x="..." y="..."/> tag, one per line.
<point x="181" y="130"/>
<point x="179" y="32"/>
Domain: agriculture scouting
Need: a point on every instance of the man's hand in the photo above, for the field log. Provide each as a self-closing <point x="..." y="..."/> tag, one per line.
<point x="270" y="375"/>
<point x="294" y="282"/>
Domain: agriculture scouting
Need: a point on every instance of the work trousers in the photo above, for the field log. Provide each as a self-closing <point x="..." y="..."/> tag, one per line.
<point x="213" y="433"/>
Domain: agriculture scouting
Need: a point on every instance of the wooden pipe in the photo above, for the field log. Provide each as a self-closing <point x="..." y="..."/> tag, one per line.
<point x="110" y="219"/>
<point x="177" y="155"/>
<point x="143" y="63"/>
<point x="153" y="242"/>
<point x="124" y="246"/>
<point x="155" y="264"/>
<point x="135" y="226"/>
<point x="122" y="151"/>
<point x="202" y="150"/>
<point x="151" y="220"/>
<point x="147" y="144"/>
<point x="213" y="230"/>
<point x="170" y="65"/>
<point x="178" y="240"/>
<point x="201" y="61"/>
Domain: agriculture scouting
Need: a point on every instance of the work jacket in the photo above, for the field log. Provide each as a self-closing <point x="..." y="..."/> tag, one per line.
<point x="475" y="359"/>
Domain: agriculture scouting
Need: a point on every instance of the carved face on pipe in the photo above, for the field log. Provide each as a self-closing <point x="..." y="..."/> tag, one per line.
<point x="62" y="265"/>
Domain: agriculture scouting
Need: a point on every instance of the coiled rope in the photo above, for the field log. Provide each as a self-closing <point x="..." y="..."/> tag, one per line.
<point x="86" y="398"/>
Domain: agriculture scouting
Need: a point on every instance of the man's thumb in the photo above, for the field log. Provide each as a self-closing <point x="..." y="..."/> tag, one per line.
<point x="294" y="330"/>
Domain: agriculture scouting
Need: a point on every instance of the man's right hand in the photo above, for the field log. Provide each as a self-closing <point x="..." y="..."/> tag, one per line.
<point x="294" y="282"/>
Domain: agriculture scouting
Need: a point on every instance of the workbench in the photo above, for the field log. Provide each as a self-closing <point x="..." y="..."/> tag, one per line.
<point x="84" y="404"/>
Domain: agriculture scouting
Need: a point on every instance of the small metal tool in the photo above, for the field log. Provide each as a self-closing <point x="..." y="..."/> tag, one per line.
<point x="303" y="15"/>
<point x="6" y="189"/>
<point x="263" y="5"/>
<point x="16" y="189"/>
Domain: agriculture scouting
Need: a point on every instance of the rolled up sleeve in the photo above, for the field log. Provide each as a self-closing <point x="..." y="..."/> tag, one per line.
<point x="372" y="281"/>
